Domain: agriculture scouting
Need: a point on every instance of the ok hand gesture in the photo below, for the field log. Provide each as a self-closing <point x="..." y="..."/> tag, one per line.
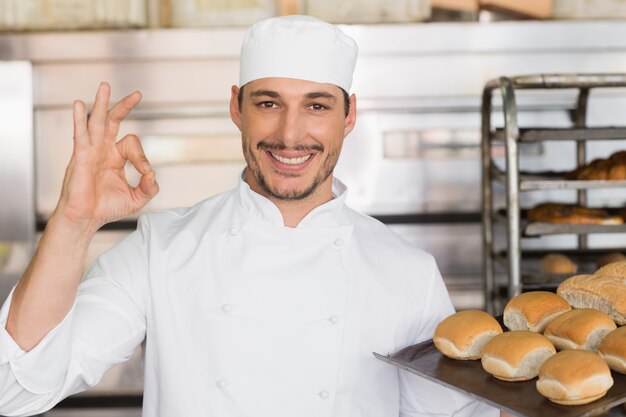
<point x="95" y="188"/>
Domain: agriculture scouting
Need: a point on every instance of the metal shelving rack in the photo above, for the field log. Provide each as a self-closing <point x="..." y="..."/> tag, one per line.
<point x="516" y="182"/>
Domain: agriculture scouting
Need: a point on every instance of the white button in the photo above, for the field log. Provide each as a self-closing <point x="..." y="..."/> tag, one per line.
<point x="338" y="243"/>
<point x="323" y="394"/>
<point x="222" y="383"/>
<point x="333" y="319"/>
<point x="234" y="231"/>
<point x="227" y="308"/>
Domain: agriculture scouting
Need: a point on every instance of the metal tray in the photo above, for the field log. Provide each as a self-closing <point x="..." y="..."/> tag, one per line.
<point x="539" y="229"/>
<point x="554" y="180"/>
<point x="518" y="398"/>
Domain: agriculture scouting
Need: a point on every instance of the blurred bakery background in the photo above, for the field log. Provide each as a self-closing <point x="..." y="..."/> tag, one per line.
<point x="416" y="160"/>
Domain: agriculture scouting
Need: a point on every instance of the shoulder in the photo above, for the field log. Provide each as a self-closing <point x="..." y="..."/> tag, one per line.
<point x="374" y="236"/>
<point x="195" y="220"/>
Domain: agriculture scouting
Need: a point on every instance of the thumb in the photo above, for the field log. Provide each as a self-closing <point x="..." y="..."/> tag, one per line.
<point x="146" y="189"/>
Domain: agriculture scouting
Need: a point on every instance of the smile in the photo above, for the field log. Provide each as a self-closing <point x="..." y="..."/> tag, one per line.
<point x="291" y="161"/>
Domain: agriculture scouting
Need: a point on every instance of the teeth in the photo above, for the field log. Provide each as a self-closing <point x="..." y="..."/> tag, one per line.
<point x="291" y="161"/>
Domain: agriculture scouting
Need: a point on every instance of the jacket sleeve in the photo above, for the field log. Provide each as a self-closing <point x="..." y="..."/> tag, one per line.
<point x="103" y="328"/>
<point x="420" y="397"/>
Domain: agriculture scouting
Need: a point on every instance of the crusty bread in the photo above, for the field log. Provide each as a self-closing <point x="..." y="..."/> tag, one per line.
<point x="516" y="355"/>
<point x="574" y="377"/>
<point x="605" y="291"/>
<point x="613" y="168"/>
<point x="464" y="334"/>
<point x="557" y="263"/>
<point x="617" y="157"/>
<point x="534" y="310"/>
<point x="597" y="169"/>
<point x="579" y="329"/>
<point x="609" y="258"/>
<point x="614" y="269"/>
<point x="562" y="213"/>
<point x="618" y="171"/>
<point x="613" y="350"/>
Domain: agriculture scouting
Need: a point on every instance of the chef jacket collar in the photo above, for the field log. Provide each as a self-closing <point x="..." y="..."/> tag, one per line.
<point x="328" y="214"/>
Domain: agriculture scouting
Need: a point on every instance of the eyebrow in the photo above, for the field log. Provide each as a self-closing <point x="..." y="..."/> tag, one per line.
<point x="264" y="93"/>
<point x="321" y="94"/>
<point x="274" y="94"/>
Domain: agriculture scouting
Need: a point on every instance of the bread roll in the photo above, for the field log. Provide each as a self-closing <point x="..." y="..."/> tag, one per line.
<point x="557" y="263"/>
<point x="574" y="377"/>
<point x="533" y="310"/>
<point x="579" y="329"/>
<point x="464" y="334"/>
<point x="517" y="355"/>
<point x="613" y="350"/>
<point x="605" y="291"/>
<point x="609" y="258"/>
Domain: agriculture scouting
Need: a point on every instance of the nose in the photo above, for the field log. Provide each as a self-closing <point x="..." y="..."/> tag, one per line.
<point x="291" y="126"/>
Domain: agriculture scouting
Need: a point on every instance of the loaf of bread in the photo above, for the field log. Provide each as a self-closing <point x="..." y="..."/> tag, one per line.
<point x="605" y="290"/>
<point x="557" y="263"/>
<point x="613" y="350"/>
<point x="609" y="258"/>
<point x="597" y="170"/>
<point x="533" y="310"/>
<point x="561" y="213"/>
<point x="464" y="334"/>
<point x="516" y="355"/>
<point x="612" y="168"/>
<point x="579" y="329"/>
<point x="574" y="377"/>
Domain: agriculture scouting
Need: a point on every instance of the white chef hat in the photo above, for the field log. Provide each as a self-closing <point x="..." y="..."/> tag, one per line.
<point x="300" y="47"/>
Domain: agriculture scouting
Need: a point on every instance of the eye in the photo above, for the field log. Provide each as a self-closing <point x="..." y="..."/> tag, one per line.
<point x="318" y="107"/>
<point x="267" y="105"/>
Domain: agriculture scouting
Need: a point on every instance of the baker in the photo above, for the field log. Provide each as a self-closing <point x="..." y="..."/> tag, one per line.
<point x="267" y="300"/>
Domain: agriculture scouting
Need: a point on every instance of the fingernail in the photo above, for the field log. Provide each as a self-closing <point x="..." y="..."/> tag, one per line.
<point x="146" y="167"/>
<point x="153" y="179"/>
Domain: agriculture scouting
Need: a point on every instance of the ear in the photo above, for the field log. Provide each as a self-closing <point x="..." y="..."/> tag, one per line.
<point x="235" y="111"/>
<point x="351" y="117"/>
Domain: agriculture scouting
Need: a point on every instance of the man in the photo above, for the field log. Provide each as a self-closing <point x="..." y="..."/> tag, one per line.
<point x="263" y="301"/>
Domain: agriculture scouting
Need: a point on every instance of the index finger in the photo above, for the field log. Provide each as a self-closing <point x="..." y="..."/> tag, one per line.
<point x="119" y="111"/>
<point x="81" y="137"/>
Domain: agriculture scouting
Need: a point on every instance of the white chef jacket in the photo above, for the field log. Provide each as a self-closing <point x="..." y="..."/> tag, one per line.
<point x="242" y="316"/>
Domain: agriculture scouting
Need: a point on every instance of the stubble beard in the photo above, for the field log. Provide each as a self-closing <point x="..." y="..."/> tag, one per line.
<point x="292" y="194"/>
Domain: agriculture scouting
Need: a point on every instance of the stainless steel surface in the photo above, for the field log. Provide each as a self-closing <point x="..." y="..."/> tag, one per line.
<point x="520" y="398"/>
<point x="17" y="214"/>
<point x="579" y="134"/>
<point x="538" y="229"/>
<point x="16" y="158"/>
<point x="120" y="412"/>
<point x="487" y="205"/>
<point x="515" y="181"/>
<point x="580" y="121"/>
<point x="511" y="129"/>
<point x="529" y="182"/>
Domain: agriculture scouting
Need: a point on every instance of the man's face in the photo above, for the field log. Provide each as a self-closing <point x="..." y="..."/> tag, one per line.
<point x="292" y="132"/>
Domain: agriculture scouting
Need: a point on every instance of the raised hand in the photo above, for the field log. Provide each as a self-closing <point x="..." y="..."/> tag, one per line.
<point x="95" y="188"/>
